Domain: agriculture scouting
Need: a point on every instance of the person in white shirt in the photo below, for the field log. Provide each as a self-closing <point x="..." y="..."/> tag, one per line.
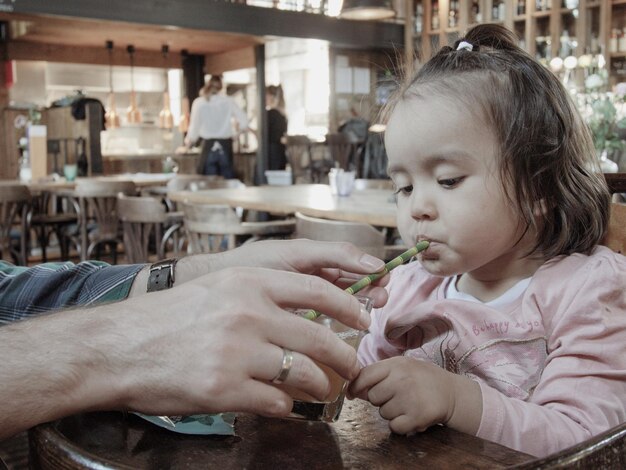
<point x="211" y="119"/>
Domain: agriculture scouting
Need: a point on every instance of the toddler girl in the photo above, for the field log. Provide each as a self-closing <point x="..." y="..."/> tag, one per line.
<point x="512" y="325"/>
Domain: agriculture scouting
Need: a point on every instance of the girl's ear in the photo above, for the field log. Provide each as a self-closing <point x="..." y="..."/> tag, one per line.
<point x="540" y="209"/>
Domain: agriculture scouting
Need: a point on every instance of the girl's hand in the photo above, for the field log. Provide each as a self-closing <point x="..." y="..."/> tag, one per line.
<point x="413" y="395"/>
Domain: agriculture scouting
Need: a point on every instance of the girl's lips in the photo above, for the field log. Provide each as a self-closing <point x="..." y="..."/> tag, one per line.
<point x="431" y="251"/>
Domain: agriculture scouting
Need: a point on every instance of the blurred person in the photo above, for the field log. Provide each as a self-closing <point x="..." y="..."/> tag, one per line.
<point x="212" y="115"/>
<point x="277" y="127"/>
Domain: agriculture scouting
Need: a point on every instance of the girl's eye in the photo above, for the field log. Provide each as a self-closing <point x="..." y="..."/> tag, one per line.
<point x="404" y="190"/>
<point x="450" y="183"/>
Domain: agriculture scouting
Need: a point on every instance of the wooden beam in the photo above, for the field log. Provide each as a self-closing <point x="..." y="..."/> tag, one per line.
<point x="225" y="17"/>
<point x="22" y="50"/>
<point x="231" y="60"/>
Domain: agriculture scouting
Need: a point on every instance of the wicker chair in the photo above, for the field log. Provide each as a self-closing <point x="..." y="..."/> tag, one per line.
<point x="364" y="236"/>
<point x="143" y="221"/>
<point x="298" y="151"/>
<point x="14" y="207"/>
<point x="212" y="228"/>
<point x="98" y="220"/>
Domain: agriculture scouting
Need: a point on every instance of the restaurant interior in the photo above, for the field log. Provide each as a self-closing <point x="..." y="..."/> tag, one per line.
<point x="96" y="102"/>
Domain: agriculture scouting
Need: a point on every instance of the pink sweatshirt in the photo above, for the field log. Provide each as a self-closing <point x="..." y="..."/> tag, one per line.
<point x="551" y="363"/>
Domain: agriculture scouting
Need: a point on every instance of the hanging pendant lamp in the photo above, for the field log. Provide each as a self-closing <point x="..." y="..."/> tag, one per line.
<point x="183" y="124"/>
<point x="133" y="115"/>
<point x="111" y="118"/>
<point x="166" y="120"/>
<point x="366" y="10"/>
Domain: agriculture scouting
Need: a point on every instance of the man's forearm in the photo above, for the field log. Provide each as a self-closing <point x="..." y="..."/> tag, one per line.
<point x="54" y="366"/>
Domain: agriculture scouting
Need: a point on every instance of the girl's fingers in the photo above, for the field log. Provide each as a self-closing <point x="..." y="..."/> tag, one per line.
<point x="368" y="377"/>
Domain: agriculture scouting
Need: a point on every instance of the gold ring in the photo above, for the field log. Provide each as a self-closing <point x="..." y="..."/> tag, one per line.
<point x="285" y="367"/>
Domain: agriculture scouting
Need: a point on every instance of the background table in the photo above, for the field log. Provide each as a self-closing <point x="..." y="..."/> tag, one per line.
<point x="140" y="179"/>
<point x="371" y="206"/>
<point x="360" y="439"/>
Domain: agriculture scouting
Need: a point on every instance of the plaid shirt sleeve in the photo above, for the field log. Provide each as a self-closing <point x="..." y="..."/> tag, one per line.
<point x="29" y="291"/>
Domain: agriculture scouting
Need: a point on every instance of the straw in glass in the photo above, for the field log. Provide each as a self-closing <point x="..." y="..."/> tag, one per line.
<point x="367" y="280"/>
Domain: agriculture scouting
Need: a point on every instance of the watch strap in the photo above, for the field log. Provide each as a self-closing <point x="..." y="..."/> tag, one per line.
<point x="161" y="275"/>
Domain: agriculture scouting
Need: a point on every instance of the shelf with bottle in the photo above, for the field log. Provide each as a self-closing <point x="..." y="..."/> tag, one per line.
<point x="418" y="18"/>
<point x="543" y="6"/>
<point x="498" y="11"/>
<point x="569" y="6"/>
<point x="617" y="42"/>
<point x="454" y="15"/>
<point x="543" y="40"/>
<point x="545" y="28"/>
<point x="435" y="17"/>
<point x="519" y="10"/>
<point x="474" y="12"/>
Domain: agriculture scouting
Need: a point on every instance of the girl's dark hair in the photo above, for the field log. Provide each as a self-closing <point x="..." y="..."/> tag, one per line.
<point x="548" y="160"/>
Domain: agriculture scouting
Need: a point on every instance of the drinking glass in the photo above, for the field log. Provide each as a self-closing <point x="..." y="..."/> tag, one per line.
<point x="304" y="405"/>
<point x="69" y="171"/>
<point x="341" y="181"/>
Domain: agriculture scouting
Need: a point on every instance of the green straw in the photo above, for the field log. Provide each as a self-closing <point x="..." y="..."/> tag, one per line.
<point x="367" y="280"/>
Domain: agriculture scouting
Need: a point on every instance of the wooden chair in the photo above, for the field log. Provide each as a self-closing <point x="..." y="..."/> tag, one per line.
<point x="14" y="207"/>
<point x="98" y="220"/>
<point x="143" y="220"/>
<point x="298" y="151"/>
<point x="53" y="214"/>
<point x="208" y="227"/>
<point x="606" y="450"/>
<point x="341" y="147"/>
<point x="362" y="235"/>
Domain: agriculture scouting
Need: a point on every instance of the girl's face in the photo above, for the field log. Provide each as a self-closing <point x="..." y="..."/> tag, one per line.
<point x="443" y="161"/>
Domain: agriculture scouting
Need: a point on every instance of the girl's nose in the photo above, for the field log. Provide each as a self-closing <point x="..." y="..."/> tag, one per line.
<point x="422" y="206"/>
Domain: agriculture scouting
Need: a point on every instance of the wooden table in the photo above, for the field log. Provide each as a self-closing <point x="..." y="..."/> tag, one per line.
<point x="140" y="179"/>
<point x="360" y="439"/>
<point x="371" y="206"/>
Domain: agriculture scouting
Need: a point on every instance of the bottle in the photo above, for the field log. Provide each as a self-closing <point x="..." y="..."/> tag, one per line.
<point x="419" y="18"/>
<point x="475" y="16"/>
<point x="82" y="163"/>
<point x="26" y="173"/>
<point x="595" y="44"/>
<point x="565" y="45"/>
<point x="613" y="41"/>
<point x="434" y="21"/>
<point x="452" y="14"/>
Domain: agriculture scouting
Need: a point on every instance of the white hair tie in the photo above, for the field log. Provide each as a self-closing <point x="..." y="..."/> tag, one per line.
<point x="465" y="45"/>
